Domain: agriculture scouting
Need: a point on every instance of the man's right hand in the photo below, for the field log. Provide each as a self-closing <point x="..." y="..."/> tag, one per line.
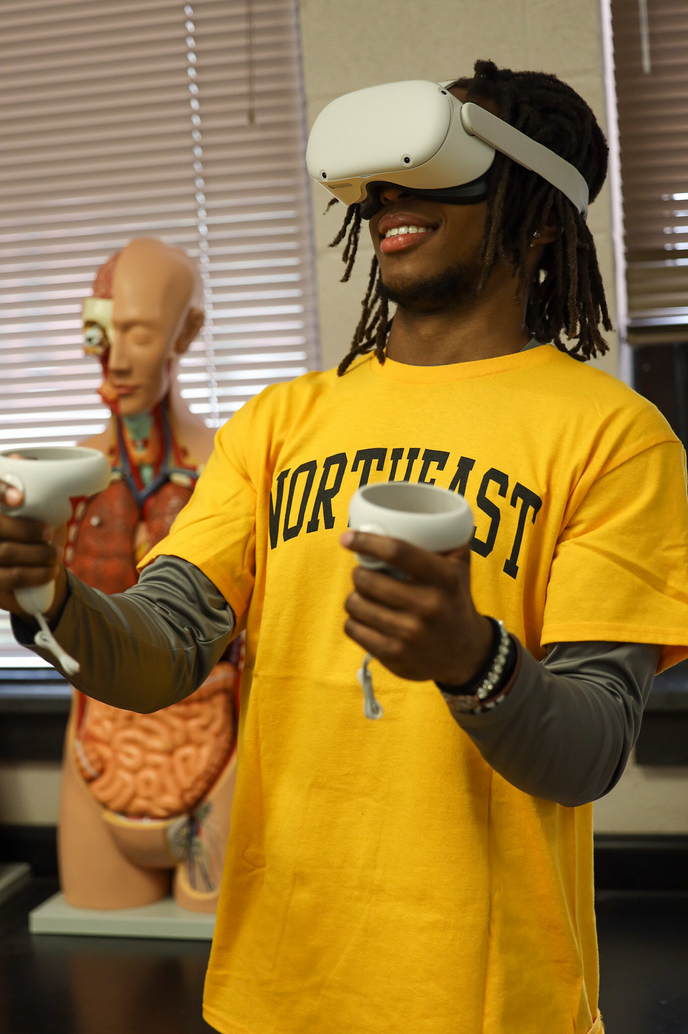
<point x="28" y="557"/>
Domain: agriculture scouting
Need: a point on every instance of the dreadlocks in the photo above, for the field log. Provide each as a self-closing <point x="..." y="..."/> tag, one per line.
<point x="566" y="292"/>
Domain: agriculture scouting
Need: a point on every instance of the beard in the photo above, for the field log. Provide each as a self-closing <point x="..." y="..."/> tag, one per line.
<point x="451" y="288"/>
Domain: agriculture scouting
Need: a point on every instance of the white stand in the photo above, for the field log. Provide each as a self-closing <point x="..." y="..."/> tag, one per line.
<point x="163" y="919"/>
<point x="13" y="876"/>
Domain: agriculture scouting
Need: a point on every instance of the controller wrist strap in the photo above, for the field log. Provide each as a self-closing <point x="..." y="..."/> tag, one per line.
<point x="45" y="639"/>
<point x="371" y="708"/>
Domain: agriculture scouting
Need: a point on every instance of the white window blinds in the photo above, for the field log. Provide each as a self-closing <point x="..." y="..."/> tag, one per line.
<point x="149" y="118"/>
<point x="651" y="72"/>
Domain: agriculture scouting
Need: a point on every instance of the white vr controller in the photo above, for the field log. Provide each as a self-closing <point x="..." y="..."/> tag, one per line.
<point x="49" y="477"/>
<point x="435" y="519"/>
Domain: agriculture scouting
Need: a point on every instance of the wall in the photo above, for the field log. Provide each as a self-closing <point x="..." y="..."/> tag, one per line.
<point x="348" y="46"/>
<point x="29" y="793"/>
<point x="646" y="800"/>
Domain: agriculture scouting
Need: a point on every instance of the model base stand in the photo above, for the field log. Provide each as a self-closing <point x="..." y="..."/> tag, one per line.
<point x="161" y="920"/>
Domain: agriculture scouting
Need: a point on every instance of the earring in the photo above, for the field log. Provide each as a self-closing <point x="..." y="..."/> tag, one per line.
<point x="536" y="234"/>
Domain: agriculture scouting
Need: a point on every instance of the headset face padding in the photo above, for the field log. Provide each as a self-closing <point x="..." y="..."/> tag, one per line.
<point x="466" y="194"/>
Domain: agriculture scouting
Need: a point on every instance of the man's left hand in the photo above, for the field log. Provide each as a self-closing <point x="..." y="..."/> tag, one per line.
<point x="425" y="627"/>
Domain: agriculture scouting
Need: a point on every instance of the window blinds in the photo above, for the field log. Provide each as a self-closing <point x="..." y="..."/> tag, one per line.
<point x="651" y="69"/>
<point x="149" y="118"/>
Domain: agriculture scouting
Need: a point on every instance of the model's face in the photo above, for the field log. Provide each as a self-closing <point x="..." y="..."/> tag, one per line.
<point x="138" y="361"/>
<point x="147" y="303"/>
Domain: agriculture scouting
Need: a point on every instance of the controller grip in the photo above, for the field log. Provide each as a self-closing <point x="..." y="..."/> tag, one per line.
<point x="36" y="600"/>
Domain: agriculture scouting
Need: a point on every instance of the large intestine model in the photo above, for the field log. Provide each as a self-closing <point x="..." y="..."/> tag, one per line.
<point x="146" y="798"/>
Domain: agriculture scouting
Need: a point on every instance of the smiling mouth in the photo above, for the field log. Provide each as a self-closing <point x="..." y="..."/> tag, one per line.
<point x="404" y="238"/>
<point x="397" y="231"/>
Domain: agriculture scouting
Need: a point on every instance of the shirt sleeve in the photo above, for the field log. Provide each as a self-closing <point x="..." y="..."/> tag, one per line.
<point x="567" y="726"/>
<point x="145" y="648"/>
<point x="620" y="568"/>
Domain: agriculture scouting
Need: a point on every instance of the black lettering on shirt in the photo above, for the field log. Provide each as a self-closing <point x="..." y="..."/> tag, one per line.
<point x="309" y="470"/>
<point x="325" y="495"/>
<point x="285" y="523"/>
<point x="460" y="479"/>
<point x="395" y="457"/>
<point x="431" y="456"/>
<point x="492" y="511"/>
<point x="367" y="457"/>
<point x="276" y="510"/>
<point x="530" y="501"/>
<point x="411" y="457"/>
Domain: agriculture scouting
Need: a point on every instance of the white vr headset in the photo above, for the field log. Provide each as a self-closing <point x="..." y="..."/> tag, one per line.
<point x="418" y="135"/>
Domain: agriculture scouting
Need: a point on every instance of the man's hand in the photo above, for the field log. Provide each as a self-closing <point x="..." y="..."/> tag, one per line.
<point x="426" y="627"/>
<point x="28" y="557"/>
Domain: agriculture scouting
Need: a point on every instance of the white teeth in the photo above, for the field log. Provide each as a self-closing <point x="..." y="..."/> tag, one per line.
<point x="395" y="231"/>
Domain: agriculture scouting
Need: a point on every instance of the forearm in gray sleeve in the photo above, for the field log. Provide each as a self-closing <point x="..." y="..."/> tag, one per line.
<point x="567" y="726"/>
<point x="145" y="648"/>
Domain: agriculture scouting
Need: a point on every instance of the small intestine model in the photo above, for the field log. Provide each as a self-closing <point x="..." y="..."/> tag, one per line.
<point x="146" y="798"/>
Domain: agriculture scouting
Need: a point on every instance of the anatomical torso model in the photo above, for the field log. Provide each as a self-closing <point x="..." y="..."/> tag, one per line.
<point x="146" y="798"/>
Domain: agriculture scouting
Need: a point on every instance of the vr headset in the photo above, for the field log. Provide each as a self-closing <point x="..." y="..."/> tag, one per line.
<point x="417" y="135"/>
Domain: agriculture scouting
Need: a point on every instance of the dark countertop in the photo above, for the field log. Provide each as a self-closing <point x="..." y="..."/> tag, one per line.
<point x="100" y="985"/>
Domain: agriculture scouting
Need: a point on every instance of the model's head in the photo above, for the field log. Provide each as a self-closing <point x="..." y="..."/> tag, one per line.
<point x="146" y="309"/>
<point x="524" y="229"/>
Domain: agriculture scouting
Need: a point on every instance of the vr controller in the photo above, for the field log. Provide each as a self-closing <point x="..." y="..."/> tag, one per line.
<point x="432" y="518"/>
<point x="49" y="477"/>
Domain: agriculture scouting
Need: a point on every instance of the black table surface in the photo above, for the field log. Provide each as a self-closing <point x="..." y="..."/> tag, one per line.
<point x="102" y="985"/>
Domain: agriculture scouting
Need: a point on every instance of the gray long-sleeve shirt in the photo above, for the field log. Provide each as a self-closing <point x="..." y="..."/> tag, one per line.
<point x="563" y="733"/>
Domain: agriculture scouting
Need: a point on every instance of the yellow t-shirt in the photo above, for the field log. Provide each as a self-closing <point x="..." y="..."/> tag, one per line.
<point x="381" y="877"/>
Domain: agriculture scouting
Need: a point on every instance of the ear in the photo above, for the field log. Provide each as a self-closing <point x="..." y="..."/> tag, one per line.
<point x="546" y="233"/>
<point x="193" y="321"/>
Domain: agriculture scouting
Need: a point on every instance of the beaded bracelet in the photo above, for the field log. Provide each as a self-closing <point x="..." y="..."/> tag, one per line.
<point x="488" y="678"/>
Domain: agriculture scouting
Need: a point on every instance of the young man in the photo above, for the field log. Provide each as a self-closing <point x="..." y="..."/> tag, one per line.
<point x="432" y="871"/>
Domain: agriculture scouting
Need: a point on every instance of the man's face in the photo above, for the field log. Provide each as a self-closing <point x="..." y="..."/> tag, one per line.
<point x="437" y="263"/>
<point x="437" y="260"/>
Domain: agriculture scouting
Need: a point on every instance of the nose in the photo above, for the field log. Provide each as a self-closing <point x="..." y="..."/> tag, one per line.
<point x="117" y="358"/>
<point x="390" y="193"/>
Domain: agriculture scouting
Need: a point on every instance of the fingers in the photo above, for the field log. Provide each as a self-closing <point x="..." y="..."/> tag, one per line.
<point x="12" y="578"/>
<point x="23" y="554"/>
<point x="407" y="596"/>
<point x="26" y="560"/>
<point x="380" y="646"/>
<point x="395" y="624"/>
<point x="23" y="529"/>
<point x="10" y="496"/>
<point x="418" y="564"/>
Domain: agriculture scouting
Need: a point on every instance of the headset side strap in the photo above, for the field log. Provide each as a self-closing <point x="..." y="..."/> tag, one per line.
<point x="527" y="152"/>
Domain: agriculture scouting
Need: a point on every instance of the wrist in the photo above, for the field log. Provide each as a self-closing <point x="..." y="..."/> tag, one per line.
<point x="495" y="674"/>
<point x="54" y="613"/>
<point x="474" y="662"/>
